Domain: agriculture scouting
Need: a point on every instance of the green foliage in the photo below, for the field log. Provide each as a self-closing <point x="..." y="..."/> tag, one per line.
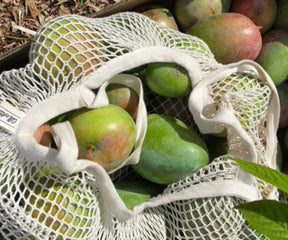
<point x="268" y="217"/>
<point x="269" y="175"/>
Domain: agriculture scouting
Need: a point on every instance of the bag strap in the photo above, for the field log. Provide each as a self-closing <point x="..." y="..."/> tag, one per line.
<point x="141" y="57"/>
<point x="200" y="98"/>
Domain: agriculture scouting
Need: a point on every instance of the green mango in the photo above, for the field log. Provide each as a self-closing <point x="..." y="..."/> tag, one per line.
<point x="64" y="207"/>
<point x="274" y="59"/>
<point x="66" y="48"/>
<point x="171" y="151"/>
<point x="105" y="135"/>
<point x="273" y="56"/>
<point x="168" y="79"/>
<point x="189" y="12"/>
<point x="137" y="191"/>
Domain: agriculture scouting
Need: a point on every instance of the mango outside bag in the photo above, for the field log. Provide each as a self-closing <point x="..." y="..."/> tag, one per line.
<point x="48" y="193"/>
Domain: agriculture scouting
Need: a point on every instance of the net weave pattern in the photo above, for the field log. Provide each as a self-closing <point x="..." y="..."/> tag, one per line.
<point x="40" y="201"/>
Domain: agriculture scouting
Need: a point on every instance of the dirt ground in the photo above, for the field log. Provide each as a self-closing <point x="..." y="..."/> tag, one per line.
<point x="20" y="18"/>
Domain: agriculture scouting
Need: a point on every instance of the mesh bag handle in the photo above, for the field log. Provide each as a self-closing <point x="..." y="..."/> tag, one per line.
<point x="227" y="117"/>
<point x="144" y="56"/>
<point x="248" y="107"/>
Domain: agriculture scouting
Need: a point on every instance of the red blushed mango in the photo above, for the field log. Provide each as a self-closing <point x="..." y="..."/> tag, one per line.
<point x="261" y="12"/>
<point x="230" y="36"/>
<point x="104" y="135"/>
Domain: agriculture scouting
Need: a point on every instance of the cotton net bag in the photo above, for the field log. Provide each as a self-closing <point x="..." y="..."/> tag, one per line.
<point x="50" y="194"/>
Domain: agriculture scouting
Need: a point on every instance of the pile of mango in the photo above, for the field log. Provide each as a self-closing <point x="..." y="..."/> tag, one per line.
<point x="234" y="30"/>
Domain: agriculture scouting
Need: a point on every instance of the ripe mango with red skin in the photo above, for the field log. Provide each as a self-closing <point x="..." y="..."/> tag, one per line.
<point x="261" y="12"/>
<point x="230" y="36"/>
<point x="104" y="135"/>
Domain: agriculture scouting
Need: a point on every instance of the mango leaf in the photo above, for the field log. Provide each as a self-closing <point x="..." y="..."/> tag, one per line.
<point x="268" y="217"/>
<point x="269" y="175"/>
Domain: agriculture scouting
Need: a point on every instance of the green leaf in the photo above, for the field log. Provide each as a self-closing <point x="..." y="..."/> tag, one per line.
<point x="268" y="217"/>
<point x="269" y="175"/>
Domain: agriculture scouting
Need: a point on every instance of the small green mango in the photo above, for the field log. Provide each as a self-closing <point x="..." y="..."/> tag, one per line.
<point x="135" y="192"/>
<point x="274" y="59"/>
<point x="171" y="151"/>
<point x="168" y="79"/>
<point x="66" y="208"/>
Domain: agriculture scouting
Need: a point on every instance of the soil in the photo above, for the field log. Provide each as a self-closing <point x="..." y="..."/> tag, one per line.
<point x="19" y="19"/>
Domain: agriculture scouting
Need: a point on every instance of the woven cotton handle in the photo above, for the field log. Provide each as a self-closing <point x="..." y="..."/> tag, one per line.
<point x="199" y="101"/>
<point x="144" y="56"/>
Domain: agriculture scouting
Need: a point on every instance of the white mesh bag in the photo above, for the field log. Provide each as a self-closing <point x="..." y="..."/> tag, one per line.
<point x="47" y="193"/>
